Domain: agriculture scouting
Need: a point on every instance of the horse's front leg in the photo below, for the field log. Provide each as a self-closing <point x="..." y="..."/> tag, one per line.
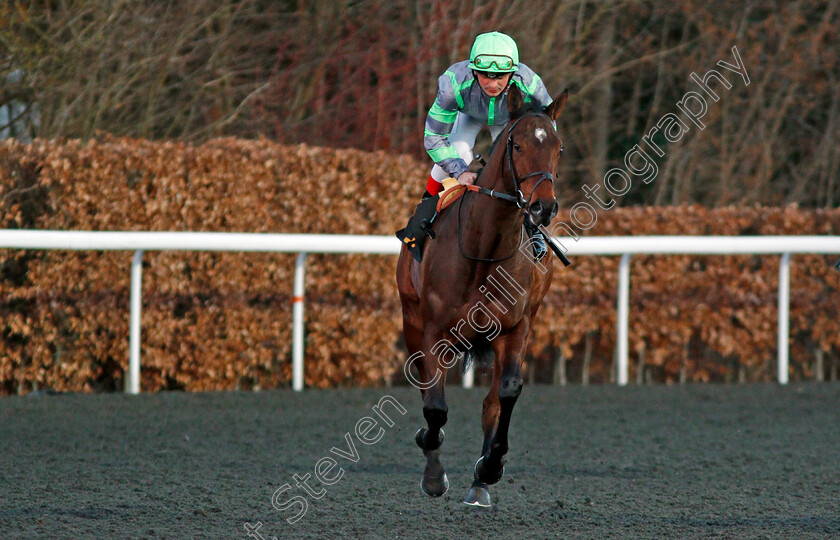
<point x="497" y="410"/>
<point x="433" y="377"/>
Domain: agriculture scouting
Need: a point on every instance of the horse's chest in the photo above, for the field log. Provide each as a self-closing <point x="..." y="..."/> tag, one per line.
<point x="488" y="311"/>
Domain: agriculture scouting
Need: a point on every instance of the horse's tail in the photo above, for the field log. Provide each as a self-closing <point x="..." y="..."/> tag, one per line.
<point x="481" y="353"/>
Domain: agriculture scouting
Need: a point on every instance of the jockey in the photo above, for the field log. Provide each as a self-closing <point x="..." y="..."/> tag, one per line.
<point x="471" y="94"/>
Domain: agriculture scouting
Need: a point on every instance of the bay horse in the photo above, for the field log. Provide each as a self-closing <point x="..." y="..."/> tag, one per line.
<point x="477" y="291"/>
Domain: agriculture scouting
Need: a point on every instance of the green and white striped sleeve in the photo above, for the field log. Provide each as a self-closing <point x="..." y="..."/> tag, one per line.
<point x="439" y="124"/>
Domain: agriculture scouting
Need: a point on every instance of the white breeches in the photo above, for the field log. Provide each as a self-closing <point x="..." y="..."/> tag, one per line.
<point x="462" y="138"/>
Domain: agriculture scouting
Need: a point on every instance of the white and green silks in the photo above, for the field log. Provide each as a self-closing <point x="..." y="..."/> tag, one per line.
<point x="461" y="108"/>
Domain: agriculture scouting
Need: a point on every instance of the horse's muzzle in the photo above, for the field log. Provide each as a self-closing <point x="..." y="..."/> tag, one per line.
<point x="542" y="212"/>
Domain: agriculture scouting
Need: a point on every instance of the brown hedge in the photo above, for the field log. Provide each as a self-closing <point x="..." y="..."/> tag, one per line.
<point x="223" y="320"/>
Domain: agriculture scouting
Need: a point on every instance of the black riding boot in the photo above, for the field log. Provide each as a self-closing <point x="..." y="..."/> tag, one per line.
<point x="537" y="242"/>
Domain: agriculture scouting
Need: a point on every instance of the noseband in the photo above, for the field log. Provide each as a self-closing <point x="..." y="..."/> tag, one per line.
<point x="519" y="198"/>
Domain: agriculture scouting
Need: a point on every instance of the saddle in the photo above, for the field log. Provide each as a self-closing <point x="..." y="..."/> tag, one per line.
<point x="419" y="227"/>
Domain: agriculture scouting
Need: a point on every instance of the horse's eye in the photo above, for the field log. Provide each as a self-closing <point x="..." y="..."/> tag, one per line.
<point x="517" y="147"/>
<point x="562" y="148"/>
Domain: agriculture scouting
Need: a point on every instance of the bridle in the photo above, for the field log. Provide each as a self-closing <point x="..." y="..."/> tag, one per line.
<point x="521" y="203"/>
<point x="519" y="198"/>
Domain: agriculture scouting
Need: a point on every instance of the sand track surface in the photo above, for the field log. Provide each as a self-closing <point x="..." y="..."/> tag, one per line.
<point x="697" y="461"/>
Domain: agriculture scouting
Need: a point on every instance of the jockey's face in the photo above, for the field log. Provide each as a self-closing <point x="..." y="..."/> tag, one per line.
<point x="492" y="87"/>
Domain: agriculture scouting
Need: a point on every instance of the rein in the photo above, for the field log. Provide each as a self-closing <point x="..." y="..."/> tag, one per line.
<point x="495" y="194"/>
<point x="518" y="199"/>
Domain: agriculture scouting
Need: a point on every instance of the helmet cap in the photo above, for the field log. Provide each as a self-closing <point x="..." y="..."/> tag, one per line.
<point x="494" y="52"/>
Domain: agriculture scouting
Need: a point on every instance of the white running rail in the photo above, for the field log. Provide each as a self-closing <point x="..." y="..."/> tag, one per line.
<point x="625" y="246"/>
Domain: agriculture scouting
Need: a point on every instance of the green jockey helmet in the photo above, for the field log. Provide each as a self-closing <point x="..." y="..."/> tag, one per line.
<point x="494" y="52"/>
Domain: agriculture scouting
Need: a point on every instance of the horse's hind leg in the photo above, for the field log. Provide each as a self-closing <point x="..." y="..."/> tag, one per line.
<point x="498" y="407"/>
<point x="490" y="467"/>
<point x="479" y="493"/>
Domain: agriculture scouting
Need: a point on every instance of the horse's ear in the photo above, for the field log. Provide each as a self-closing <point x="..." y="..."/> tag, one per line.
<point x="514" y="101"/>
<point x="553" y="111"/>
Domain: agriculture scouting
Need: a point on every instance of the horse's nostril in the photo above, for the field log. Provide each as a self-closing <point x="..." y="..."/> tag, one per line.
<point x="536" y="209"/>
<point x="554" y="209"/>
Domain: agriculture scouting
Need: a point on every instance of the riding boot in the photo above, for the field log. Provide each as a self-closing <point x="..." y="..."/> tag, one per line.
<point x="539" y="246"/>
<point x="537" y="242"/>
<point x="426" y="195"/>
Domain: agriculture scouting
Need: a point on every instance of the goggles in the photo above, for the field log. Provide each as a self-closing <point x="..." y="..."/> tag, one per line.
<point x="487" y="61"/>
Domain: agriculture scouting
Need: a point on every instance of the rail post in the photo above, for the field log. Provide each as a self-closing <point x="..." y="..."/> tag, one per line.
<point x="297" y="323"/>
<point x="784" y="317"/>
<point x="135" y="308"/>
<point x="469" y="376"/>
<point x="623" y="319"/>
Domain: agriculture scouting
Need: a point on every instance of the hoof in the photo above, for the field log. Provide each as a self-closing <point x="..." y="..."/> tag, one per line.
<point x="478" y="495"/>
<point x="435" y="486"/>
<point x="434" y="483"/>
<point x="486" y="475"/>
<point x="420" y="438"/>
